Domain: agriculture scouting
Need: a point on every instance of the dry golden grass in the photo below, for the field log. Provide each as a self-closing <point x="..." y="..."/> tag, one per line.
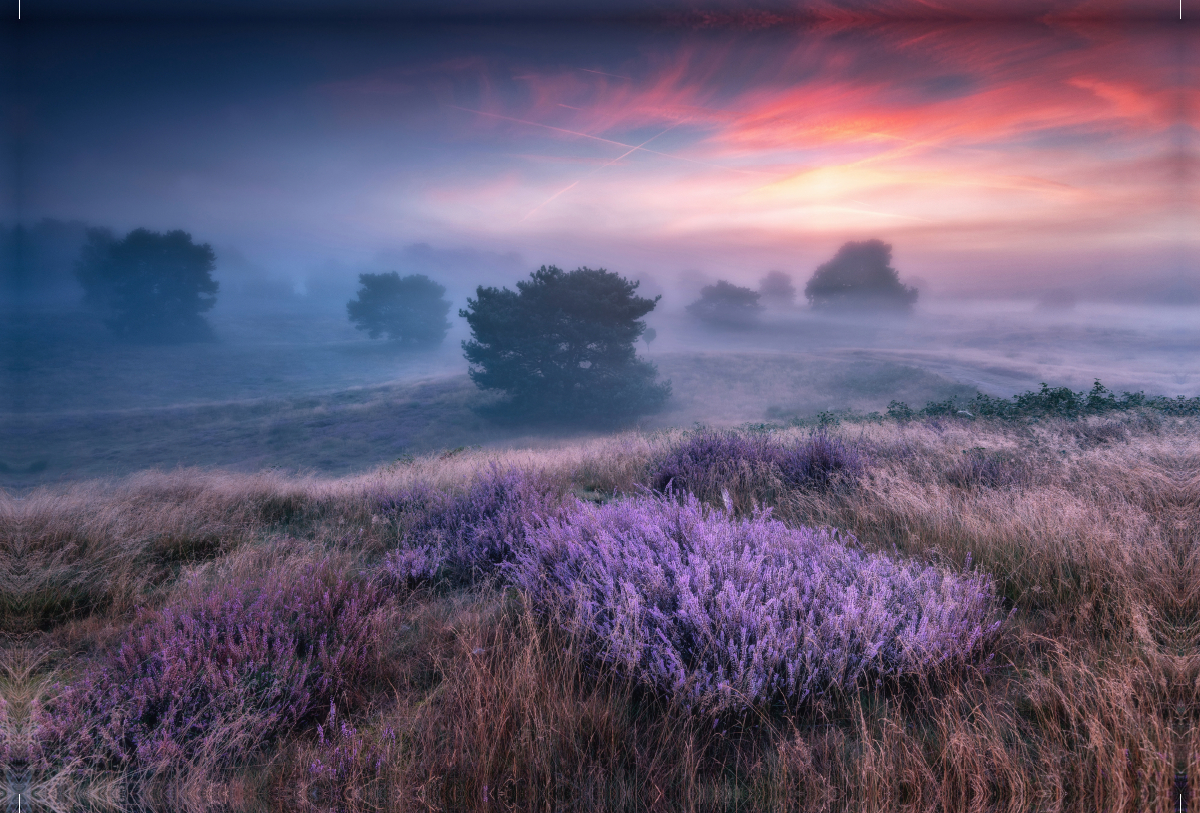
<point x="1092" y="702"/>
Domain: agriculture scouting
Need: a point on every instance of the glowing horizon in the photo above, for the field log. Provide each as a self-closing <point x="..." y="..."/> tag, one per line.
<point x="986" y="153"/>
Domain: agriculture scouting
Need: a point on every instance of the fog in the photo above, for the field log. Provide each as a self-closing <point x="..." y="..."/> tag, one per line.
<point x="1031" y="177"/>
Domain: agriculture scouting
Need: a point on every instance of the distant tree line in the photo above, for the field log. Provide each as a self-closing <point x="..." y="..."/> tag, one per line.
<point x="562" y="345"/>
<point x="860" y="277"/>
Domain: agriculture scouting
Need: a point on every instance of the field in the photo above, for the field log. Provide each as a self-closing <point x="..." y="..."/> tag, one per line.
<point x="306" y="393"/>
<point x="296" y="569"/>
<point x="449" y="676"/>
<point x="303" y="392"/>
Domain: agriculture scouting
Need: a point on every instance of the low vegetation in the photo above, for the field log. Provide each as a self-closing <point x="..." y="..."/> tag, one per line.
<point x="926" y="612"/>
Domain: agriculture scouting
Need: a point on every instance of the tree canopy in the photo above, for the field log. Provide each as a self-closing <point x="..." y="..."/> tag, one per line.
<point x="726" y="304"/>
<point x="151" y="286"/>
<point x="860" y="275"/>
<point x="562" y="346"/>
<point x="776" y="287"/>
<point x="410" y="310"/>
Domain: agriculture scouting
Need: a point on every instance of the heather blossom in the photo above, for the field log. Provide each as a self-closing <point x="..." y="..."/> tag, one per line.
<point x="726" y="614"/>
<point x="708" y="461"/>
<point x="213" y="679"/>
<point x="342" y="754"/>
<point x="459" y="535"/>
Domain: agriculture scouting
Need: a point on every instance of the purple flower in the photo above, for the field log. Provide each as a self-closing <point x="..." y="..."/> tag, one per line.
<point x="462" y="535"/>
<point x="727" y="614"/>
<point x="216" y="677"/>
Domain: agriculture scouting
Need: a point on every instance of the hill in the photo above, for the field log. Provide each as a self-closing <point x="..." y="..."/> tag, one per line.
<point x="392" y="639"/>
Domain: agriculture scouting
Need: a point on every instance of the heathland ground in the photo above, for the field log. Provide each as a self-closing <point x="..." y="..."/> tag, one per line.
<point x="293" y="569"/>
<point x="464" y="691"/>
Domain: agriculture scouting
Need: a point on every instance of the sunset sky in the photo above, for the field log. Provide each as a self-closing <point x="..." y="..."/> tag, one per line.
<point x="998" y="156"/>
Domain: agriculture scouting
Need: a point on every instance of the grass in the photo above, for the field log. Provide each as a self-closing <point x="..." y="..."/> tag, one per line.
<point x="215" y="405"/>
<point x="473" y="699"/>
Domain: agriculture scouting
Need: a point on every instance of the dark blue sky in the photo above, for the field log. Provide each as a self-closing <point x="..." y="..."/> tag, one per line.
<point x="995" y="156"/>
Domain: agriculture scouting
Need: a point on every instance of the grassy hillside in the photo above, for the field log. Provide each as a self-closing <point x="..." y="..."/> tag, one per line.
<point x="340" y="431"/>
<point x="391" y="640"/>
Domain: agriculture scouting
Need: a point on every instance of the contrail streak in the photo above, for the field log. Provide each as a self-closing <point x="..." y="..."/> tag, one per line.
<point x="608" y="140"/>
<point x="603" y="73"/>
<point x="597" y="169"/>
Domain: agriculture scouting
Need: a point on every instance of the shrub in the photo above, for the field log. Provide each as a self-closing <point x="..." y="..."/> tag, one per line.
<point x="1053" y="402"/>
<point x="460" y="536"/>
<point x="215" y="679"/>
<point x="723" y="615"/>
<point x="709" y="461"/>
<point x="819" y="461"/>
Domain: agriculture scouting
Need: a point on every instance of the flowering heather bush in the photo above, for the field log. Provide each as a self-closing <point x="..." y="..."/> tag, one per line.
<point x="725" y="615"/>
<point x="708" y="459"/>
<point x="461" y="535"/>
<point x="213" y="680"/>
<point x="818" y="461"/>
<point x="711" y="460"/>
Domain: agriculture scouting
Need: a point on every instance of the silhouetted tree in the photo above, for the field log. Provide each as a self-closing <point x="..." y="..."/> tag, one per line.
<point x="776" y="287"/>
<point x="410" y="310"/>
<point x="562" y="346"/>
<point x="726" y="304"/>
<point x="151" y="286"/>
<point x="860" y="275"/>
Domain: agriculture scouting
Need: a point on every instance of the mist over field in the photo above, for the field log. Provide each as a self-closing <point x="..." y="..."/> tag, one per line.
<point x="605" y="406"/>
<point x="288" y="382"/>
<point x="295" y="386"/>
<point x="1030" y="177"/>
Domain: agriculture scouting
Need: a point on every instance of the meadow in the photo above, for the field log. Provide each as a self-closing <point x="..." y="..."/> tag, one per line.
<point x="306" y="393"/>
<point x="942" y="613"/>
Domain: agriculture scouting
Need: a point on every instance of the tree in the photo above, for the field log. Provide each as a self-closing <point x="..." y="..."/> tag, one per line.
<point x="860" y="275"/>
<point x="562" y="346"/>
<point x="151" y="286"/>
<point x="410" y="310"/>
<point x="776" y="287"/>
<point x="726" y="304"/>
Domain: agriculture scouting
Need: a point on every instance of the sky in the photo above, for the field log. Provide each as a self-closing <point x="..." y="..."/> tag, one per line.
<point x="1002" y="149"/>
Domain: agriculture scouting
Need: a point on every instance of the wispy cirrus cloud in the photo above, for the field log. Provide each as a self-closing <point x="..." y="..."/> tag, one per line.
<point x="941" y="132"/>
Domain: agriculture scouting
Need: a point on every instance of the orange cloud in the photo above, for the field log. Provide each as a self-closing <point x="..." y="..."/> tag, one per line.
<point x="938" y="132"/>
